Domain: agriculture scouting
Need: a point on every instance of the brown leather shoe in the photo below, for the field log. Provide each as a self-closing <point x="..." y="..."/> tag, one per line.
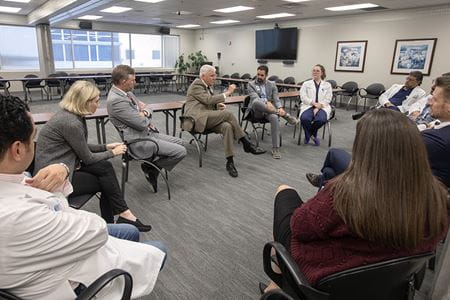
<point x="315" y="180"/>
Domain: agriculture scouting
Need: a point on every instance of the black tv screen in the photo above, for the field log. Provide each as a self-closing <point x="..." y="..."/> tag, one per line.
<point x="277" y="43"/>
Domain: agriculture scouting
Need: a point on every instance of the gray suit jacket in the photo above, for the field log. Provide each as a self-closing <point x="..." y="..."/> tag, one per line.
<point x="124" y="114"/>
<point x="200" y="100"/>
<point x="254" y="91"/>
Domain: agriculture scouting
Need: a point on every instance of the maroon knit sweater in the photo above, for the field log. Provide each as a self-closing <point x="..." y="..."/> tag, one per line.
<point x="321" y="243"/>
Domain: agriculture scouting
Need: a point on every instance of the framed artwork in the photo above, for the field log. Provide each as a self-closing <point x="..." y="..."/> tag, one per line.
<point x="413" y="55"/>
<point x="350" y="56"/>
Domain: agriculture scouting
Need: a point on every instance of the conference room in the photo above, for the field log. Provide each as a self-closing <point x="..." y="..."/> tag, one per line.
<point x="210" y="197"/>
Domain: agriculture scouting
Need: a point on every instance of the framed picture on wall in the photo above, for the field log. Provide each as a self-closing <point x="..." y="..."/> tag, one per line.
<point x="350" y="56"/>
<point x="413" y="55"/>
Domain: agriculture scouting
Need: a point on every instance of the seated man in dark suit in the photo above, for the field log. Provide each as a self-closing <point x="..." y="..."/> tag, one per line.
<point x="209" y="112"/>
<point x="133" y="118"/>
<point x="265" y="105"/>
<point x="437" y="141"/>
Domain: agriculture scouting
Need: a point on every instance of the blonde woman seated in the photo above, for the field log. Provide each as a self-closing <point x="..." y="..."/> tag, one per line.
<point x="64" y="139"/>
<point x="385" y="205"/>
<point x="315" y="95"/>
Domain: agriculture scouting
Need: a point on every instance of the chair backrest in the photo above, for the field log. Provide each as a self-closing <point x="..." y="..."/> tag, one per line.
<point x="388" y="280"/>
<point x="32" y="82"/>
<point x="235" y="75"/>
<point x="273" y="78"/>
<point x="375" y="89"/>
<point x="333" y="83"/>
<point x="350" y="86"/>
<point x="246" y="76"/>
<point x="226" y="76"/>
<point x="289" y="80"/>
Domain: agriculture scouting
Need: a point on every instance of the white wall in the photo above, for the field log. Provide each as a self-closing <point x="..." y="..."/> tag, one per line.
<point x="317" y="44"/>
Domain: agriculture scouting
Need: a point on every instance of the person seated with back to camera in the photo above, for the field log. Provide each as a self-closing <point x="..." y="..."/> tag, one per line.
<point x="50" y="250"/>
<point x="436" y="140"/>
<point x="134" y="119"/>
<point x="400" y="97"/>
<point x="64" y="139"/>
<point x="356" y="220"/>
<point x="265" y="105"/>
<point x="209" y="112"/>
<point x="315" y="109"/>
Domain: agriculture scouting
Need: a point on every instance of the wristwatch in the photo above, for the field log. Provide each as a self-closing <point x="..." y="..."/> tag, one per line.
<point x="67" y="169"/>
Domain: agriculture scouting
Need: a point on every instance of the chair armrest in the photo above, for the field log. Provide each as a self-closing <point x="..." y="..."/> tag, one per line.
<point x="190" y="119"/>
<point x="276" y="294"/>
<point x="103" y="280"/>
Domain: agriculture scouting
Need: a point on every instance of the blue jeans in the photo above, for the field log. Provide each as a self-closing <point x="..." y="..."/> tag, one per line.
<point x="124" y="232"/>
<point x="336" y="163"/>
<point x="311" y="123"/>
<point x="160" y="245"/>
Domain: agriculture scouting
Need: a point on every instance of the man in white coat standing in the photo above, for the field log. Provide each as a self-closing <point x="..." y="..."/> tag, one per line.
<point x="48" y="250"/>
<point x="401" y="96"/>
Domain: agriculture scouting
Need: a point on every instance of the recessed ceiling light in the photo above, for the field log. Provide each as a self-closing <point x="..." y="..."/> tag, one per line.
<point x="188" y="26"/>
<point x="20" y="1"/>
<point x="224" y="22"/>
<point x="233" y="9"/>
<point x="150" y="1"/>
<point x="351" y="7"/>
<point x="297" y="1"/>
<point x="90" y="17"/>
<point x="115" y="9"/>
<point x="274" y="16"/>
<point x="9" y="9"/>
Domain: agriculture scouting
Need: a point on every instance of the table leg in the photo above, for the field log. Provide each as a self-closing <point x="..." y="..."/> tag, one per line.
<point x="174" y="122"/>
<point x="97" y="127"/>
<point x="102" y="123"/>
<point x="167" y="122"/>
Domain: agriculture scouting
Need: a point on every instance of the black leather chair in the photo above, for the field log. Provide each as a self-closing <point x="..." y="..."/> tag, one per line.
<point x="56" y="83"/>
<point x="333" y="86"/>
<point x="5" y="85"/>
<point x="326" y="125"/>
<point x="187" y="124"/>
<point x="289" y="80"/>
<point x="235" y="76"/>
<point x="389" y="280"/>
<point x="33" y="84"/>
<point x="102" y="83"/>
<point x="150" y="162"/>
<point x="280" y="88"/>
<point x="350" y="90"/>
<point x="256" y="123"/>
<point x="273" y="78"/>
<point x="224" y="83"/>
<point x="94" y="288"/>
<point x="71" y="81"/>
<point x="372" y="92"/>
<point x="246" y="76"/>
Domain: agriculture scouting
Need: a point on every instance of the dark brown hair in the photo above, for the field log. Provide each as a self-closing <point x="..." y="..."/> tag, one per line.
<point x="121" y="72"/>
<point x="444" y="83"/>
<point x="264" y="68"/>
<point x="388" y="194"/>
<point x="322" y="68"/>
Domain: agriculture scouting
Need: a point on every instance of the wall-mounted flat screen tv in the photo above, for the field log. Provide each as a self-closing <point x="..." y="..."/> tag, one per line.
<point x="278" y="43"/>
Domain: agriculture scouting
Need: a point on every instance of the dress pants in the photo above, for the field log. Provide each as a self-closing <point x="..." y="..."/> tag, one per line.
<point x="171" y="150"/>
<point x="224" y="122"/>
<point x="311" y="123"/>
<point x="260" y="112"/>
<point x="100" y="177"/>
<point x="336" y="163"/>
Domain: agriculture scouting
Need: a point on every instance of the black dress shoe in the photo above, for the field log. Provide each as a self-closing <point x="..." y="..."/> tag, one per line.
<point x="151" y="174"/>
<point x="141" y="227"/>
<point x="262" y="287"/>
<point x="315" y="180"/>
<point x="232" y="169"/>
<point x="249" y="147"/>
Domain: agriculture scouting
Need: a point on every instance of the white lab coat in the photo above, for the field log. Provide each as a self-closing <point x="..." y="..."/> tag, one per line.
<point x="308" y="95"/>
<point x="44" y="244"/>
<point x="416" y="94"/>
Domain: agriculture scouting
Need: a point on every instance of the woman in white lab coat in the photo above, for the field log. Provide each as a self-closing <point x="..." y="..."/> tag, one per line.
<point x="315" y="109"/>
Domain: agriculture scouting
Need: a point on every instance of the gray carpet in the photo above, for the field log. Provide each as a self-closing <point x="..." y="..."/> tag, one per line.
<point x="216" y="226"/>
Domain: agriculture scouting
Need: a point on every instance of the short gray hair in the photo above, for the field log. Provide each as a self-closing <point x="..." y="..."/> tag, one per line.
<point x="206" y="69"/>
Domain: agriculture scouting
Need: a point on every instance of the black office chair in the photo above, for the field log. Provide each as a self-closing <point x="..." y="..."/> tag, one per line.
<point x="149" y="162"/>
<point x="326" y="125"/>
<point x="350" y="90"/>
<point x="224" y="83"/>
<point x="280" y="88"/>
<point x="94" y="288"/>
<point x="56" y="83"/>
<point x="389" y="280"/>
<point x="71" y="81"/>
<point x="235" y="76"/>
<point x="333" y="86"/>
<point x="33" y="84"/>
<point x="289" y="80"/>
<point x="102" y="82"/>
<point x="372" y="92"/>
<point x="5" y="85"/>
<point x="273" y="78"/>
<point x="246" y="76"/>
<point x="187" y="124"/>
<point x="256" y="123"/>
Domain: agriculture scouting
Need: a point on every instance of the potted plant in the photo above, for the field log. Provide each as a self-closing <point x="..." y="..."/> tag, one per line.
<point x="197" y="60"/>
<point x="181" y="64"/>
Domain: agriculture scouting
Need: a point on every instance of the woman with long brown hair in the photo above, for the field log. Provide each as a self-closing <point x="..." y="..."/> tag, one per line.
<point x="387" y="204"/>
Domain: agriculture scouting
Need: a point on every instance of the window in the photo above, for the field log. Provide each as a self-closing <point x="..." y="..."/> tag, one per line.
<point x="97" y="49"/>
<point x="18" y="48"/>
